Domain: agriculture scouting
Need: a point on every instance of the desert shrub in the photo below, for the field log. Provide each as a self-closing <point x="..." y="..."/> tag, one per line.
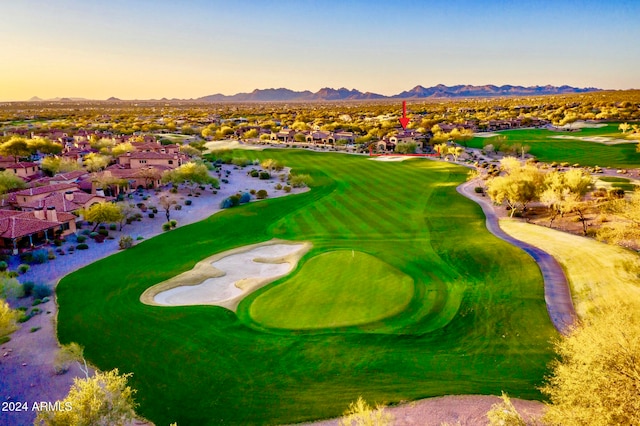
<point x="166" y="226"/>
<point x="300" y="181"/>
<point x="178" y="207"/>
<point x="287" y="189"/>
<point x="82" y="246"/>
<point x="12" y="274"/>
<point x="600" y="193"/>
<point x="478" y="190"/>
<point x="226" y="204"/>
<point x="173" y="223"/>
<point x="140" y="237"/>
<point x="86" y="232"/>
<point x="93" y="235"/>
<point x="241" y="162"/>
<point x="245" y="198"/>
<point x="27" y="287"/>
<point x="51" y="255"/>
<point x="616" y="193"/>
<point x="113" y="227"/>
<point x="26" y="257"/>
<point x="261" y="194"/>
<point x="151" y="215"/>
<point x="11" y="288"/>
<point x="103" y="232"/>
<point x="40" y="256"/>
<point x="23" y="268"/>
<point x="264" y="175"/>
<point x="187" y="202"/>
<point x="3" y="266"/>
<point x="252" y="192"/>
<point x="278" y="186"/>
<point x="57" y="242"/>
<point x="254" y="173"/>
<point x="40" y="291"/>
<point x="81" y="238"/>
<point x="125" y="242"/>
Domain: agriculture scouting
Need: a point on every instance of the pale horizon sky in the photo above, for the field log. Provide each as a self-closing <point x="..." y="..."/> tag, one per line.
<point x="143" y="49"/>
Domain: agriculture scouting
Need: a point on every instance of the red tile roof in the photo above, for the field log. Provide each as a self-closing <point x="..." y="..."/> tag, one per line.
<point x="46" y="189"/>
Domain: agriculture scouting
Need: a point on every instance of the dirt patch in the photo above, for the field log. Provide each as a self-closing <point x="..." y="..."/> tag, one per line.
<point x="455" y="410"/>
<point x="224" y="279"/>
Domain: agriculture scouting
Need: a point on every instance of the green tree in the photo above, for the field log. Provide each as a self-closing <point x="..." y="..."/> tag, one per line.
<point x="102" y="400"/>
<point x="122" y="148"/>
<point x="191" y="173"/>
<point x="596" y="380"/>
<point x="54" y="165"/>
<point x="166" y="201"/>
<point x="95" y="162"/>
<point x="564" y="190"/>
<point x="406" y="148"/>
<point x="520" y="185"/>
<point x="44" y="146"/>
<point x="9" y="181"/>
<point x="16" y="147"/>
<point x="103" y="213"/>
<point x="8" y="319"/>
<point x="625" y="232"/>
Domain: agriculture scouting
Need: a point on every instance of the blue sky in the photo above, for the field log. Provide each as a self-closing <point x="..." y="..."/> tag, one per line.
<point x="153" y="49"/>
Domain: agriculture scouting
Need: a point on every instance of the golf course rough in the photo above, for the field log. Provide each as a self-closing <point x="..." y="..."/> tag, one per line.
<point x="476" y="322"/>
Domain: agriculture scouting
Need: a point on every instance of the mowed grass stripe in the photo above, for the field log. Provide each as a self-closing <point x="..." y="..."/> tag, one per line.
<point x="481" y="325"/>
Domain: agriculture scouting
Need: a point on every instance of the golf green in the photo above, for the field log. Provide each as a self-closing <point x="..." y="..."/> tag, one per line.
<point x="550" y="146"/>
<point x="476" y="321"/>
<point x="335" y="289"/>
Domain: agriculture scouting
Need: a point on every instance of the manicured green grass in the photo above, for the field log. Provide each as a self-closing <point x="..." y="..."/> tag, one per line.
<point x="548" y="149"/>
<point x="619" y="182"/>
<point x="335" y="289"/>
<point x="597" y="272"/>
<point x="477" y="321"/>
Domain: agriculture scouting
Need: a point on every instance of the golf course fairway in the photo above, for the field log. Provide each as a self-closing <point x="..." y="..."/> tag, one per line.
<point x="459" y="312"/>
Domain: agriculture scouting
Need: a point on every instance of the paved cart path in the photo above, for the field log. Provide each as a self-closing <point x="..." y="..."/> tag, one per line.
<point x="557" y="294"/>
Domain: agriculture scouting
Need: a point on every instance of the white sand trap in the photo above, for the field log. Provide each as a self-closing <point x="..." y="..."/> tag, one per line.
<point x="597" y="139"/>
<point x="485" y="134"/>
<point x="224" y="279"/>
<point x="230" y="144"/>
<point x="391" y="158"/>
<point x="582" y="125"/>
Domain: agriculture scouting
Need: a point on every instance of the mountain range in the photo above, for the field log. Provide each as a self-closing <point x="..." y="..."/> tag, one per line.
<point x="343" y="94"/>
<point x="439" y="91"/>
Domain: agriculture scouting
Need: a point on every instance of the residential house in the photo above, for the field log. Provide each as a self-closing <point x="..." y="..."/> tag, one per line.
<point x="284" y="136"/>
<point x="29" y="195"/>
<point x="24" y="170"/>
<point x="137" y="160"/>
<point x="26" y="230"/>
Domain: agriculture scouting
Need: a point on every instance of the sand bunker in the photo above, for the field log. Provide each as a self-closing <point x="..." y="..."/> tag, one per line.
<point x="597" y="139"/>
<point x="485" y="134"/>
<point x="224" y="279"/>
<point x="230" y="144"/>
<point x="391" y="158"/>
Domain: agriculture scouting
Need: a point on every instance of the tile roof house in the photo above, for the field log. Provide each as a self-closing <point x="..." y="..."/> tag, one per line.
<point x="136" y="160"/>
<point x="30" y="195"/>
<point x="25" y="230"/>
<point x="24" y="170"/>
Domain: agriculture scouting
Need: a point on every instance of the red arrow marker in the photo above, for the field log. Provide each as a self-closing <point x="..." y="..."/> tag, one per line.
<point x="404" y="120"/>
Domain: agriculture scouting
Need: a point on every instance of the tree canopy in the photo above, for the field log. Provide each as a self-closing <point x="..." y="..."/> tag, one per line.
<point x="9" y="181"/>
<point x="596" y="380"/>
<point x="102" y="213"/>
